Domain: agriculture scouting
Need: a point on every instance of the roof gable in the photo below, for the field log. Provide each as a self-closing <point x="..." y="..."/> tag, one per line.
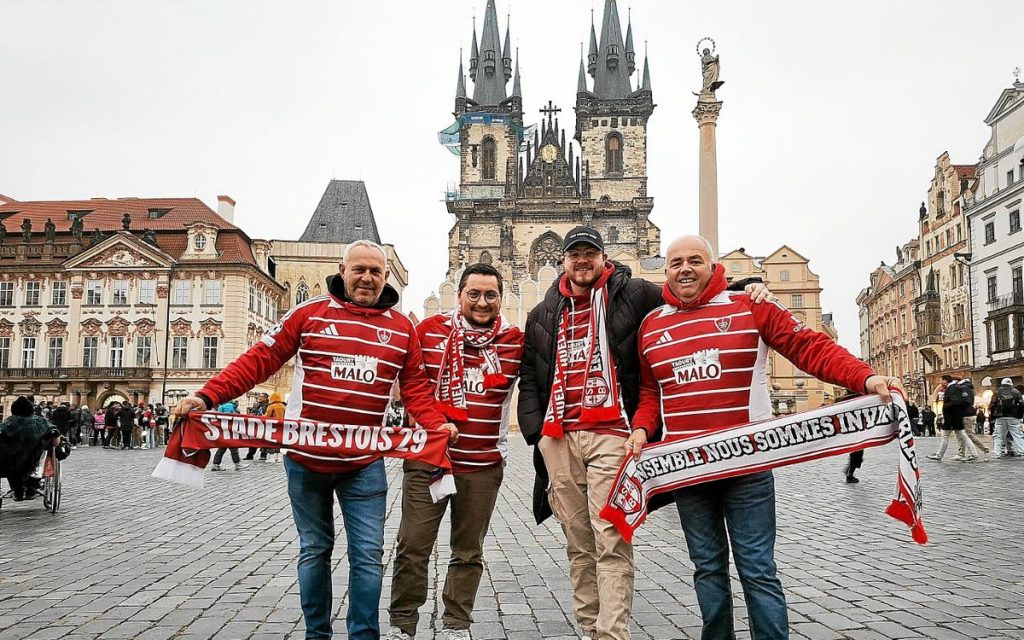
<point x="776" y="256"/>
<point x="343" y="216"/>
<point x="120" y="251"/>
<point x="1007" y="99"/>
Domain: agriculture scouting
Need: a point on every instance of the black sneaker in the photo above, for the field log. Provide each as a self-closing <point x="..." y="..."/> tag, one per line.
<point x="852" y="480"/>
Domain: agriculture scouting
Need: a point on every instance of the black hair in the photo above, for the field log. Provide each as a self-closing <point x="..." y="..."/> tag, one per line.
<point x="481" y="269"/>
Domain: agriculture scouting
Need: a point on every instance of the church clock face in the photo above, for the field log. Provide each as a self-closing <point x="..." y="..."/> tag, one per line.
<point x="548" y="153"/>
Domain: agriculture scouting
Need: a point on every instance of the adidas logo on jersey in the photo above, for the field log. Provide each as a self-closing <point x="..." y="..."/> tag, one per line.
<point x="664" y="338"/>
<point x="329" y="330"/>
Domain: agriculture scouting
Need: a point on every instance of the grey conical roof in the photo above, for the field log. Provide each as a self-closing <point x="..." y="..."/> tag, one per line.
<point x="517" y="89"/>
<point x="343" y="215"/>
<point x="490" y="89"/>
<point x="581" y="83"/>
<point x="646" y="86"/>
<point x="460" y="87"/>
<point x="611" y="83"/>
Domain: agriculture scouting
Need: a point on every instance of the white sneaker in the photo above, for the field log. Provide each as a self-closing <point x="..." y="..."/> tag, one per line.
<point x="933" y="456"/>
<point x="397" y="634"/>
<point x="215" y="467"/>
<point x="959" y="458"/>
<point x="456" y="634"/>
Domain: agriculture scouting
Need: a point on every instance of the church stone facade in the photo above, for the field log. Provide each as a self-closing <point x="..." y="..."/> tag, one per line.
<point x="521" y="189"/>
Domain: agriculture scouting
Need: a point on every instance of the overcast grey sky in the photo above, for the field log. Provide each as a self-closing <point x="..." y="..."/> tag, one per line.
<point x="834" y="111"/>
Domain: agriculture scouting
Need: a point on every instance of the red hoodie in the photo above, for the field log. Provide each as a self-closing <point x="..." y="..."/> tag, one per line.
<point x="702" y="365"/>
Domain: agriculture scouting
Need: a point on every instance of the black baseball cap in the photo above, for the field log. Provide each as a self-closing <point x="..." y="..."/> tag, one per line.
<point x="584" y="235"/>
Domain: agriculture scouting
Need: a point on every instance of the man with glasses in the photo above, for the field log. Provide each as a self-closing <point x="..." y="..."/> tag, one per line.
<point x="577" y="395"/>
<point x="472" y="357"/>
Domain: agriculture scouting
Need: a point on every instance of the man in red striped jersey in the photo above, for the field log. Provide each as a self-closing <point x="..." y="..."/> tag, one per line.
<point x="352" y="346"/>
<point x="472" y="356"/>
<point x="578" y="390"/>
<point x="702" y="366"/>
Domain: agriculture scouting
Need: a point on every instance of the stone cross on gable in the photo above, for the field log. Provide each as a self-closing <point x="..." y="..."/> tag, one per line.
<point x="550" y="110"/>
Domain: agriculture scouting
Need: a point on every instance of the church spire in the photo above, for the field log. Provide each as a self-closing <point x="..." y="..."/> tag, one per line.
<point x="506" y="52"/>
<point x="611" y="77"/>
<point x="630" y="54"/>
<point x="490" y="80"/>
<point x="517" y="90"/>
<point x="592" y="54"/>
<point x="581" y="83"/>
<point x="474" y="54"/>
<point x="460" y="87"/>
<point x="646" y="86"/>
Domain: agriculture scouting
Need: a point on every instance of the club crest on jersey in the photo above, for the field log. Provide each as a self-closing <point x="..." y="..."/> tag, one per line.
<point x="723" y="324"/>
<point x="702" y="365"/>
<point x="383" y="336"/>
<point x="361" y="369"/>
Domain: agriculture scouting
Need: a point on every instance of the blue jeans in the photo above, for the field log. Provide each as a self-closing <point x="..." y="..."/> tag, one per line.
<point x="363" y="497"/>
<point x="739" y="512"/>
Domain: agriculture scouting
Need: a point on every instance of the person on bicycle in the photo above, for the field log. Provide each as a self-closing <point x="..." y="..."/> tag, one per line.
<point x="22" y="443"/>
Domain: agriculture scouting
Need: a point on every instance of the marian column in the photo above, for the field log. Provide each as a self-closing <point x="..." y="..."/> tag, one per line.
<point x="706" y="113"/>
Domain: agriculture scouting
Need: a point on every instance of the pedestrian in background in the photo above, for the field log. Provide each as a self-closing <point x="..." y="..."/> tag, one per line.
<point x="1006" y="411"/>
<point x="126" y="424"/>
<point x="928" y="421"/>
<point x="86" y="424"/>
<point x="915" y="419"/>
<point x="259" y="409"/>
<point x="979" y="421"/>
<point x="231" y="406"/>
<point x="957" y="401"/>
<point x="275" y="409"/>
<point x="110" y="424"/>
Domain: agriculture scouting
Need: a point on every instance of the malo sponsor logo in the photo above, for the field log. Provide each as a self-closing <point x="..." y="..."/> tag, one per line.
<point x="361" y="369"/>
<point x="473" y="381"/>
<point x="702" y="365"/>
<point x="579" y="350"/>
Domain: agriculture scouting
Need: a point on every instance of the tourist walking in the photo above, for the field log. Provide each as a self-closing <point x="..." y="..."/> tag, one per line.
<point x="957" y="401"/>
<point x="1006" y="411"/>
<point x="231" y="406"/>
<point x="928" y="421"/>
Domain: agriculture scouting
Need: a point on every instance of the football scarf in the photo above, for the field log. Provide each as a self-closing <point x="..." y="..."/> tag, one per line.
<point x="451" y="391"/>
<point x="188" y="449"/>
<point x="601" y="389"/>
<point x="758" y="446"/>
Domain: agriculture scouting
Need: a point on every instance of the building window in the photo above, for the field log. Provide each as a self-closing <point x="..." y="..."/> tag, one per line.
<point x="32" y="290"/>
<point x="990" y="232"/>
<point x="6" y="294"/>
<point x="613" y="153"/>
<point x="940" y="204"/>
<point x="58" y="293"/>
<point x="28" y="352"/>
<point x="179" y="353"/>
<point x="120" y="289"/>
<point x="927" y="248"/>
<point x="200" y="242"/>
<point x="90" y="351"/>
<point x="1009" y="177"/>
<point x="117" y="351"/>
<point x="1017" y="285"/>
<point x="55" y="356"/>
<point x="798" y="300"/>
<point x="210" y="352"/>
<point x="5" y="353"/>
<point x="490" y="159"/>
<point x="252" y="298"/>
<point x="301" y="293"/>
<point x="143" y="350"/>
<point x="147" y="291"/>
<point x="991" y="282"/>
<point x="211" y="292"/>
<point x="182" y="292"/>
<point x="1002" y="333"/>
<point x="784" y="275"/>
<point x="94" y="292"/>
<point x="1015" y="221"/>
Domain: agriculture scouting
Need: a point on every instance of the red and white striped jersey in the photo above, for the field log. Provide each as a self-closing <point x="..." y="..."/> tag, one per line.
<point x="483" y="437"/>
<point x="704" y="368"/>
<point x="347" y="360"/>
<point x="579" y="310"/>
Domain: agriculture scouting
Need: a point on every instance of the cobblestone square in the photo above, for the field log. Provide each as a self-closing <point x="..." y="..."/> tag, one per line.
<point x="132" y="557"/>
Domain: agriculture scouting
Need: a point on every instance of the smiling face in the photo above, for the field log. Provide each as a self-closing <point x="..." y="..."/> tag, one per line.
<point x="688" y="268"/>
<point x="584" y="264"/>
<point x="480" y="300"/>
<point x="364" y="275"/>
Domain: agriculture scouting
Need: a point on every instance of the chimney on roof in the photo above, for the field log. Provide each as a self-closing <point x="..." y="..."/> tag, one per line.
<point x="226" y="208"/>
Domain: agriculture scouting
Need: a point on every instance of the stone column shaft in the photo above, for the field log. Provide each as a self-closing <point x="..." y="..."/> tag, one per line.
<point x="706" y="114"/>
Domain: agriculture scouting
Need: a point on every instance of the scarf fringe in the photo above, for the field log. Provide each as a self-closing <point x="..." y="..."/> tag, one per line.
<point x="180" y="472"/>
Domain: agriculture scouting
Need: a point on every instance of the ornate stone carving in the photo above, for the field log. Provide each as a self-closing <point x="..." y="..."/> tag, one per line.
<point x="162" y="290"/>
<point x="30" y="327"/>
<point x="706" y="112"/>
<point x="182" y="328"/>
<point x="6" y="328"/>
<point x="212" y="328"/>
<point x="56" y="328"/>
<point x="144" y="327"/>
<point x="76" y="291"/>
<point x="91" y="327"/>
<point x="118" y="326"/>
<point x="121" y="257"/>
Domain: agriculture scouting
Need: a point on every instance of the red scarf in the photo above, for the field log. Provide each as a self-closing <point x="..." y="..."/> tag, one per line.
<point x="187" y="452"/>
<point x="831" y="430"/>
<point x="451" y="391"/>
<point x="716" y="285"/>
<point x="601" y="389"/>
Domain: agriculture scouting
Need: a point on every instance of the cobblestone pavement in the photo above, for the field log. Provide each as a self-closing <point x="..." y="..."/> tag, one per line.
<point x="131" y="557"/>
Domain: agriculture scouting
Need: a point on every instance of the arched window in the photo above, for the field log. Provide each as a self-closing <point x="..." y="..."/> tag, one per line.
<point x="489" y="158"/>
<point x="301" y="293"/>
<point x="485" y="257"/>
<point x="613" y="153"/>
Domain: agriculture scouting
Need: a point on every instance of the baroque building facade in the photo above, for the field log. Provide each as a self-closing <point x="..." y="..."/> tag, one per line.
<point x="787" y="273"/>
<point x="519" y="192"/>
<point x="993" y="210"/>
<point x="128" y="299"/>
<point x="942" y="308"/>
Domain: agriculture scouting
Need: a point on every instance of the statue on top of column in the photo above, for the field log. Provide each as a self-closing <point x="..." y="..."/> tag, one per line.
<point x="710" y="69"/>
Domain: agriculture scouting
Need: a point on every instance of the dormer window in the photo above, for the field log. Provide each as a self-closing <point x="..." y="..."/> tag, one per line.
<point x="200" y="242"/>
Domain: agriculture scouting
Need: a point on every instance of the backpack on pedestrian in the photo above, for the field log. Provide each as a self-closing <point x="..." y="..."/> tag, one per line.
<point x="1009" y="401"/>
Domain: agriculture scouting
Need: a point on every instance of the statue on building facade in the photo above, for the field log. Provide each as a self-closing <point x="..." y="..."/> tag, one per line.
<point x="126" y="221"/>
<point x="506" y="242"/>
<point x="26" y="230"/>
<point x="50" y="229"/>
<point x="710" y="69"/>
<point x="149" y="236"/>
<point x="95" y="237"/>
<point x="77" y="226"/>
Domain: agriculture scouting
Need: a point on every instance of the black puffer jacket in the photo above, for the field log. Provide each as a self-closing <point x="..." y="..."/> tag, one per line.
<point x="629" y="301"/>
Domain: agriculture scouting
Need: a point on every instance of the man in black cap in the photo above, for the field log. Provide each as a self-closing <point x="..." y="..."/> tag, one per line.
<point x="578" y="391"/>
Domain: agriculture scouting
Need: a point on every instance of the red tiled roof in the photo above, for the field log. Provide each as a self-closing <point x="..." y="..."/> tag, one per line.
<point x="106" y="214"/>
<point x="965" y="170"/>
<point x="4" y="199"/>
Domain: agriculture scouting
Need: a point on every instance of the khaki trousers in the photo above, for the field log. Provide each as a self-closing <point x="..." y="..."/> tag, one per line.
<point x="471" y="506"/>
<point x="582" y="467"/>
